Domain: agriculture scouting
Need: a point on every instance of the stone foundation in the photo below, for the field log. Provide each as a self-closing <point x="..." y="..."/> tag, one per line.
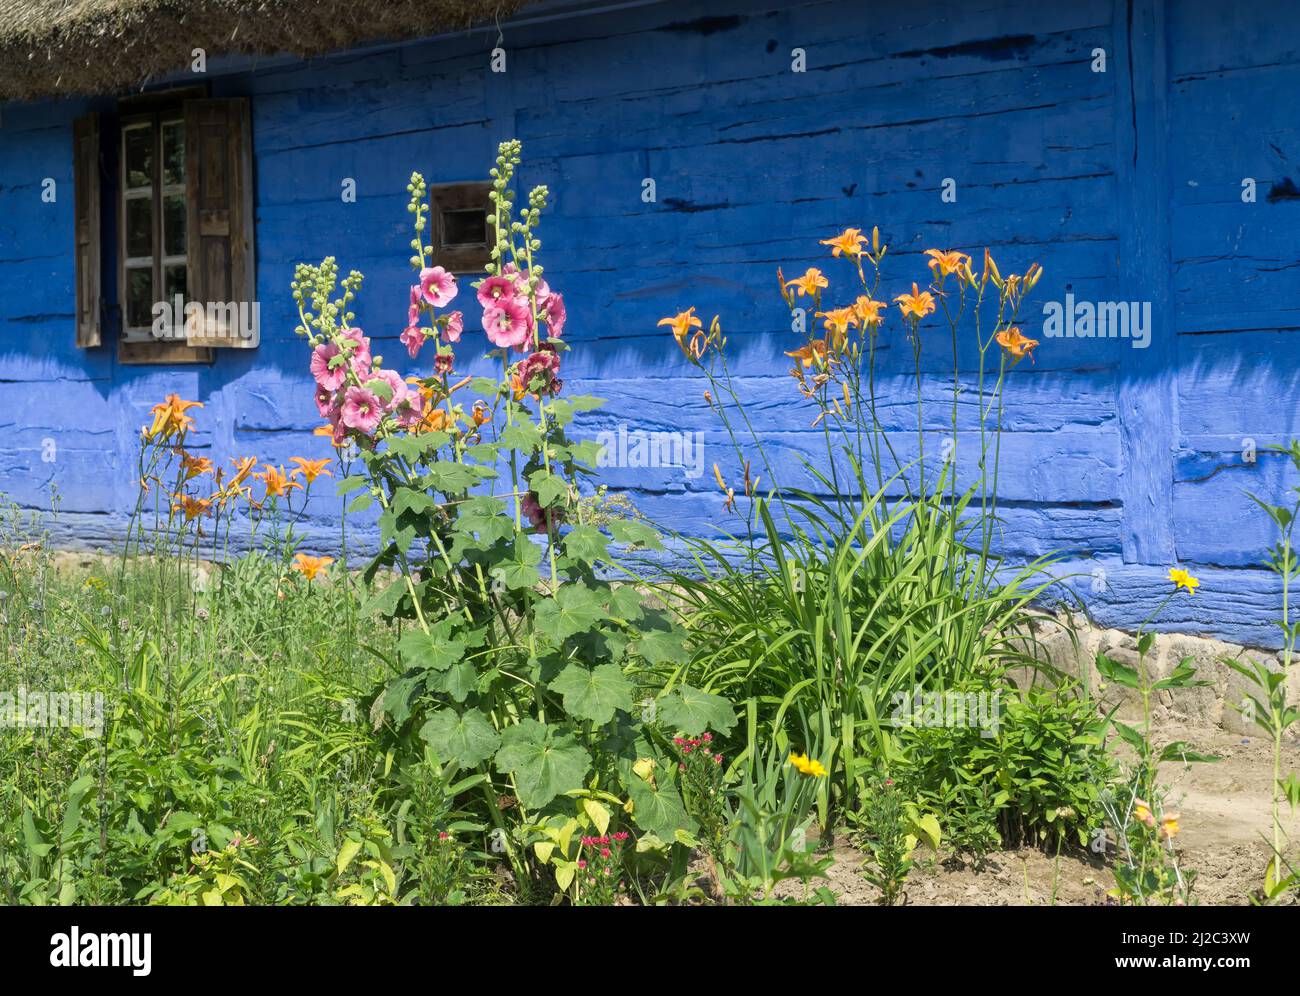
<point x="1217" y="704"/>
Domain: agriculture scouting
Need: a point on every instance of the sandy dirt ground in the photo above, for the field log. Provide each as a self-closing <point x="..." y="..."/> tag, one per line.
<point x="1225" y="825"/>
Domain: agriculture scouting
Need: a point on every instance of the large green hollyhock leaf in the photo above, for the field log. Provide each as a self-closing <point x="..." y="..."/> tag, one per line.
<point x="594" y="693"/>
<point x="457" y="681"/>
<point x="586" y="544"/>
<point x="575" y="608"/>
<point x="544" y="765"/>
<point x="467" y="737"/>
<point x="658" y="810"/>
<point x="662" y="646"/>
<point x="692" y="711"/>
<point x="636" y="533"/>
<point x="519" y="569"/>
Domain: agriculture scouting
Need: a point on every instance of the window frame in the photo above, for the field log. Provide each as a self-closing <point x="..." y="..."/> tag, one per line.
<point x="157" y="192"/>
<point x="135" y="344"/>
<point x="450" y="197"/>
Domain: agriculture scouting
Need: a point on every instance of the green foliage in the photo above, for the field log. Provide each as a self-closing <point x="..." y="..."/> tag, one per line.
<point x="1033" y="777"/>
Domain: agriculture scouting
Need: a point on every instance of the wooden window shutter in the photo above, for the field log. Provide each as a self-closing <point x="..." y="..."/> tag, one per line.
<point x="220" y="223"/>
<point x="86" y="194"/>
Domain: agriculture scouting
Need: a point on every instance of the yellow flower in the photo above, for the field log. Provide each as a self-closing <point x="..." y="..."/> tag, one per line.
<point x="917" y="304"/>
<point x="849" y="243"/>
<point x="1169" y="825"/>
<point x="310" y="469"/>
<point x="808" y="766"/>
<point x="1182" y="579"/>
<point x="309" y="567"/>
<point x="1016" y="344"/>
<point x="811" y="283"/>
<point x="943" y="263"/>
<point x="1142" y="813"/>
<point x="681" y="324"/>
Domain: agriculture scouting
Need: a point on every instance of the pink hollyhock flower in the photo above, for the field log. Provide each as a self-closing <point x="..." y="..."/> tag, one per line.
<point x="521" y="277"/>
<point x="554" y="315"/>
<point x="536" y="515"/>
<point x="360" y="358"/>
<point x="413" y="312"/>
<point x="536" y="375"/>
<point x="495" y="289"/>
<point x="330" y="378"/>
<point x="507" y="324"/>
<point x="409" y="409"/>
<point x="395" y="383"/>
<point x="437" y="286"/>
<point x="340" y="430"/>
<point x="413" y="337"/>
<point x="454" y="327"/>
<point x="361" y="410"/>
<point x="325" y="403"/>
<point x="444" y="363"/>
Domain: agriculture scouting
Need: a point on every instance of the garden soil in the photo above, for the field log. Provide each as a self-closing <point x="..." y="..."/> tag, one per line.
<point x="1225" y="821"/>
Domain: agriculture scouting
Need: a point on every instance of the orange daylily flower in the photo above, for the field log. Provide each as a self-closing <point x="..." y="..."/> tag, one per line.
<point x="838" y="322"/>
<point x="243" y="467"/>
<point x="847" y="243"/>
<point x="310" y="469"/>
<point x="192" y="507"/>
<point x="917" y="304"/>
<point x="1016" y="344"/>
<point x="681" y="324"/>
<point x="811" y="283"/>
<point x="868" y="311"/>
<point x="169" y="418"/>
<point x="814" y="352"/>
<point x="278" y="483"/>
<point x="309" y="567"/>
<point x="434" y="420"/>
<point x="194" y="466"/>
<point x="943" y="263"/>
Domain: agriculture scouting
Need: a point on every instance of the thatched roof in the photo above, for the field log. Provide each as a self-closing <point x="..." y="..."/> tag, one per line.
<point x="56" y="47"/>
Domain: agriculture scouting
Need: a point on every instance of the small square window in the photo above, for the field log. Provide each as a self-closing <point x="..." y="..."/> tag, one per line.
<point x="459" y="229"/>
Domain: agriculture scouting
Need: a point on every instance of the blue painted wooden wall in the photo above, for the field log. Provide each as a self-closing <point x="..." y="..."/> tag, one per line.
<point x="1125" y="184"/>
